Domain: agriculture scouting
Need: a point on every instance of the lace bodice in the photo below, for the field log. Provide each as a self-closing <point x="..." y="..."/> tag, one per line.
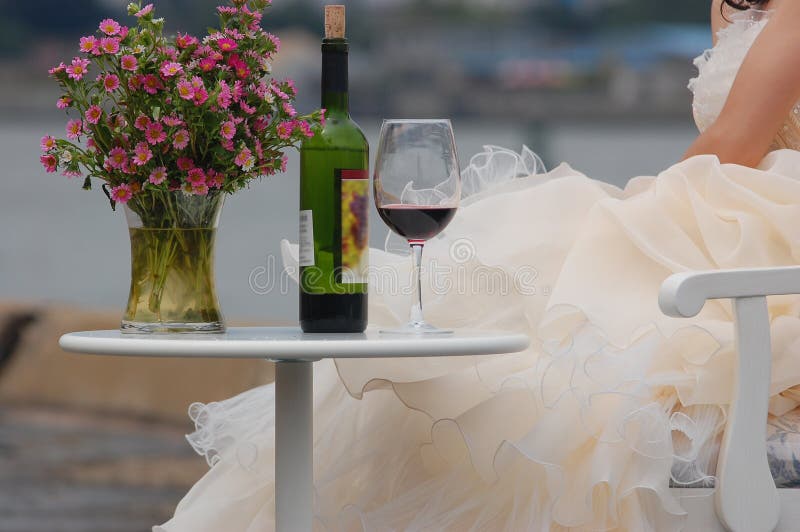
<point x="718" y="68"/>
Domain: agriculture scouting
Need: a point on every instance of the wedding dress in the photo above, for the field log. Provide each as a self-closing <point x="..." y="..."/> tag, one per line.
<point x="612" y="404"/>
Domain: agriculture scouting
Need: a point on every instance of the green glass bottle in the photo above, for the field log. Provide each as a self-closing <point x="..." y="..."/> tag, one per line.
<point x="334" y="202"/>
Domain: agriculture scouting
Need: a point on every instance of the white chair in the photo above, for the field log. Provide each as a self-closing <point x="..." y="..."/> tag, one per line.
<point x="746" y="499"/>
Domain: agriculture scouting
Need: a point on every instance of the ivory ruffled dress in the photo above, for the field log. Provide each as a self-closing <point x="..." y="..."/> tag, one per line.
<point x="612" y="404"/>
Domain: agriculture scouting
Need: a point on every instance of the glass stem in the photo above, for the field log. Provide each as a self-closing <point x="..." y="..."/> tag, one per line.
<point x="416" y="305"/>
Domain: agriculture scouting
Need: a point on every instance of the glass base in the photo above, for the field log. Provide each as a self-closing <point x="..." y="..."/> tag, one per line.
<point x="416" y="328"/>
<point x="138" y="327"/>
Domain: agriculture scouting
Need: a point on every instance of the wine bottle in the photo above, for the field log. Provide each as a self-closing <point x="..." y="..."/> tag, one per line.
<point x="334" y="201"/>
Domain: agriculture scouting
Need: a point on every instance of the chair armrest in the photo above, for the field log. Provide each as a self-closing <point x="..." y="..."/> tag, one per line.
<point x="683" y="295"/>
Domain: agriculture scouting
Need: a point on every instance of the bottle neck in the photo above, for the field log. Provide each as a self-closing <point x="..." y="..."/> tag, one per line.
<point x="335" y="98"/>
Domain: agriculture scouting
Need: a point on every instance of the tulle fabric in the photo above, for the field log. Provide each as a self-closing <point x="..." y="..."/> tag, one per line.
<point x="588" y="428"/>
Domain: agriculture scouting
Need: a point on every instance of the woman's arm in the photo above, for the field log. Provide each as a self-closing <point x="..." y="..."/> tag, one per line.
<point x="765" y="90"/>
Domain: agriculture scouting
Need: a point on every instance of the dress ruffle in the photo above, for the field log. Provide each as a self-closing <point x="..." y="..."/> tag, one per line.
<point x="588" y="428"/>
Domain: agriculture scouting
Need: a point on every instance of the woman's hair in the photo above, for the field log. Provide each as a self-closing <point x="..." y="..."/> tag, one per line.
<point x="741" y="5"/>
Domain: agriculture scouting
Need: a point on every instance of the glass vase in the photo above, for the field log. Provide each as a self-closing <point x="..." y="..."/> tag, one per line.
<point x="172" y="263"/>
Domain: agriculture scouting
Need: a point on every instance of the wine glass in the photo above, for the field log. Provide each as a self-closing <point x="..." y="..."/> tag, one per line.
<point x="417" y="188"/>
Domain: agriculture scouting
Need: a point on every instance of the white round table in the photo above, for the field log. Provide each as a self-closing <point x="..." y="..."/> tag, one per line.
<point x="294" y="353"/>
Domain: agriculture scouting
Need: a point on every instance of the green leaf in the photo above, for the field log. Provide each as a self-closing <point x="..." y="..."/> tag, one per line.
<point x="108" y="195"/>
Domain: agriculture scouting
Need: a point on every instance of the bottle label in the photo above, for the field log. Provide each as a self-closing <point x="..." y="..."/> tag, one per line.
<point x="354" y="229"/>
<point x="306" y="252"/>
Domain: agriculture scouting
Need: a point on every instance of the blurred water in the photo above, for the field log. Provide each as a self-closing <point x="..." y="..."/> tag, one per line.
<point x="60" y="243"/>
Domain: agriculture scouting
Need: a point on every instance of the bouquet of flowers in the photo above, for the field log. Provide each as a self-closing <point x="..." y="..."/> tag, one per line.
<point x="163" y="114"/>
<point x="169" y="125"/>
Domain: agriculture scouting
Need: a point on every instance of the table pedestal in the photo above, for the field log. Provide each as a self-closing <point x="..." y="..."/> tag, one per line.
<point x="294" y="441"/>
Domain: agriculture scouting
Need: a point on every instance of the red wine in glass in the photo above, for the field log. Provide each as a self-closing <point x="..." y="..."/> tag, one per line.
<point x="416" y="222"/>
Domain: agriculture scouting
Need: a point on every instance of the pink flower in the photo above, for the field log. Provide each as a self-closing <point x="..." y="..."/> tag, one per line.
<point x="200" y="96"/>
<point x="78" y="68"/>
<point x="184" y="163"/>
<point x="111" y="82"/>
<point x="91" y="145"/>
<point x="110" y="26"/>
<point x="170" y="69"/>
<point x="227" y="45"/>
<point x="285" y="129"/>
<point x="227" y="144"/>
<point x="185" y="90"/>
<point x="228" y="130"/>
<point x="93" y="114"/>
<point x="109" y="45"/>
<point x="117" y="158"/>
<point x="227" y="10"/>
<point x="196" y="176"/>
<point x="121" y="193"/>
<point x="74" y="129"/>
<point x="142" y="122"/>
<point x="129" y="62"/>
<point x="224" y="98"/>
<point x="207" y="64"/>
<point x="284" y="162"/>
<point x="322" y="118"/>
<point x="154" y="134"/>
<point x="89" y="44"/>
<point x="58" y="69"/>
<point x="200" y="189"/>
<point x="47" y="143"/>
<point x="172" y="121"/>
<point x="249" y="109"/>
<point x="215" y="179"/>
<point x="180" y="139"/>
<point x="245" y="159"/>
<point x="186" y="40"/>
<point x="151" y="84"/>
<point x="142" y="154"/>
<point x="239" y="67"/>
<point x="158" y="175"/>
<point x="276" y="42"/>
<point x="146" y="10"/>
<point x="289" y="109"/>
<point x="49" y="162"/>
<point x="305" y="128"/>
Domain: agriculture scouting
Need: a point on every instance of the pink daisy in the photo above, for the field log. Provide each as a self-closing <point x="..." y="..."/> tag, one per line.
<point x="184" y="163"/>
<point x="47" y="143"/>
<point x="49" y="162"/>
<point x="284" y="162"/>
<point x="109" y="45"/>
<point x="146" y="10"/>
<point x="227" y="144"/>
<point x="196" y="176"/>
<point x="154" y="134"/>
<point x="305" y="128"/>
<point x="207" y="64"/>
<point x="142" y="154"/>
<point x="58" y="69"/>
<point x="117" y="158"/>
<point x="289" y="109"/>
<point x="200" y="189"/>
<point x="249" y="109"/>
<point x="129" y="62"/>
<point x="227" y="45"/>
<point x="78" y="68"/>
<point x="225" y="97"/>
<point x="151" y="84"/>
<point x="285" y="129"/>
<point x="74" y="128"/>
<point x="158" y="175"/>
<point x="227" y="10"/>
<point x="172" y="121"/>
<point x="245" y="159"/>
<point x="228" y="130"/>
<point x="322" y="117"/>
<point x="142" y="122"/>
<point x="170" y="69"/>
<point x="181" y="139"/>
<point x="93" y="114"/>
<point x="185" y="90"/>
<point x="121" y="193"/>
<point x="200" y="96"/>
<point x="89" y="44"/>
<point x="215" y="179"/>
<point x="111" y="82"/>
<point x="185" y="40"/>
<point x="110" y="26"/>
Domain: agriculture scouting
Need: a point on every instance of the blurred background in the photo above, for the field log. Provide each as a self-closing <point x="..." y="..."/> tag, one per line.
<point x="90" y="444"/>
